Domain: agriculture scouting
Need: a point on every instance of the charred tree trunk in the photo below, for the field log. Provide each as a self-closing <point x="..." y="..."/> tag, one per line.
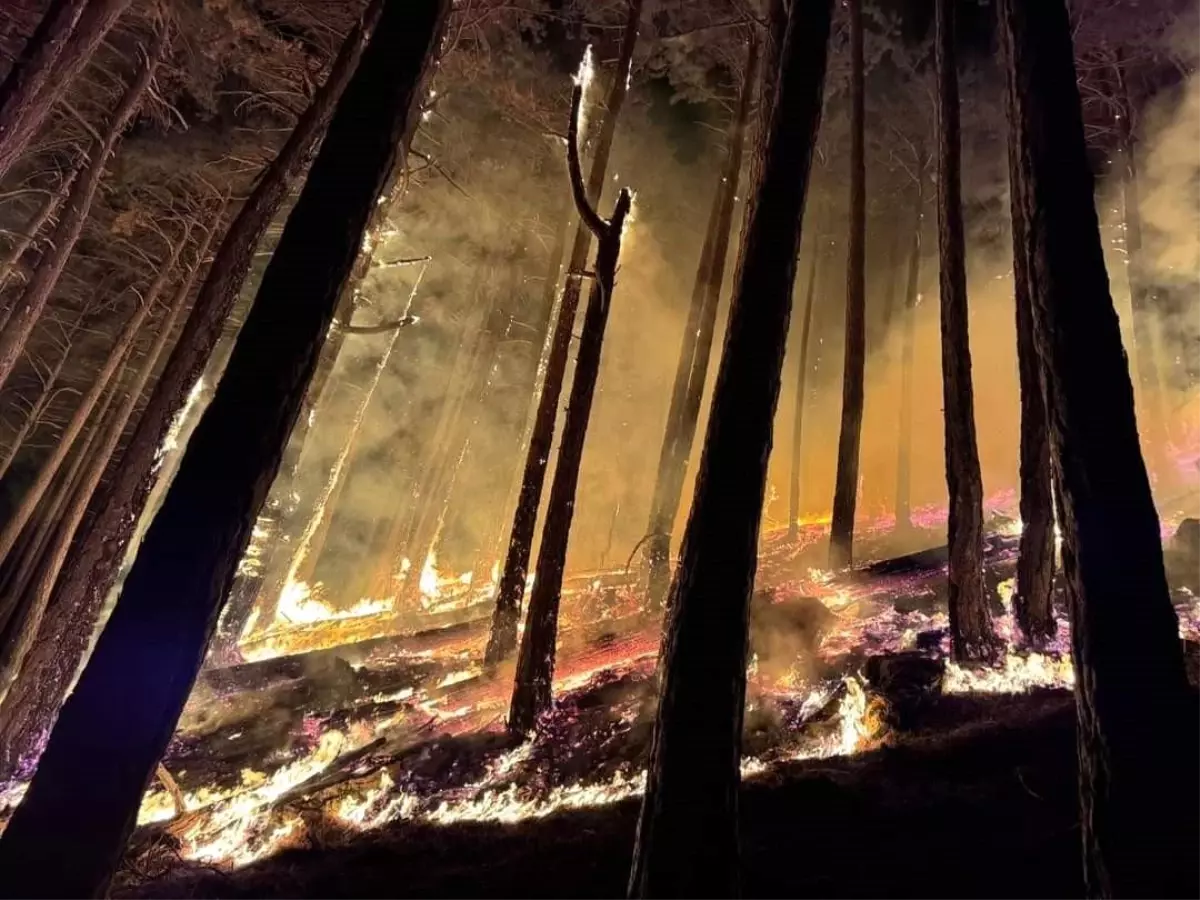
<point x="1137" y="727"/>
<point x="99" y="383"/>
<point x="95" y="561"/>
<point x="907" y="353"/>
<point x="532" y="692"/>
<point x="845" y="495"/>
<point x="503" y="637"/>
<point x="971" y="632"/>
<point x="687" y="841"/>
<point x="893" y="263"/>
<point x="28" y="308"/>
<point x="801" y="391"/>
<point x="57" y="51"/>
<point x="1033" y="599"/>
<point x="672" y="491"/>
<point x="69" y="832"/>
<point x="49" y="210"/>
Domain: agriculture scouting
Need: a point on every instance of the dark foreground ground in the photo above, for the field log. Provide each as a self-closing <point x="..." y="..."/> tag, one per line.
<point x="980" y="803"/>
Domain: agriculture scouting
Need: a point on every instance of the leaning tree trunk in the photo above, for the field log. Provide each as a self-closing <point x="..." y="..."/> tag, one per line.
<point x="801" y="391"/>
<point x="99" y="382"/>
<point x="28" y="308"/>
<point x="845" y="495"/>
<point x="682" y="421"/>
<point x="1033" y="599"/>
<point x="907" y="353"/>
<point x="49" y="210"/>
<point x="68" y="834"/>
<point x="60" y="48"/>
<point x="95" y="561"/>
<point x="971" y="633"/>
<point x="1137" y="728"/>
<point x="502" y="639"/>
<point x="687" y="842"/>
<point x="535" y="664"/>
<point x="15" y="648"/>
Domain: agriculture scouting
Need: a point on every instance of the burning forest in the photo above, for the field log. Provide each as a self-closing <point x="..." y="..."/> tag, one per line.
<point x="461" y="447"/>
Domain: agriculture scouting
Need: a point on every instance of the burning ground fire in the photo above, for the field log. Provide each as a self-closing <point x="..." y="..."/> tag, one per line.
<point x="412" y="731"/>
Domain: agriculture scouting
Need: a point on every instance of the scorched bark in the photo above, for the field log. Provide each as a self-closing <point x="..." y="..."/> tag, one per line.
<point x="801" y="389"/>
<point x="95" y="561"/>
<point x="971" y="632"/>
<point x="845" y="496"/>
<point x="1137" y="727"/>
<point x="67" y="836"/>
<point x="503" y="637"/>
<point x="687" y="843"/>
<point x="532" y="693"/>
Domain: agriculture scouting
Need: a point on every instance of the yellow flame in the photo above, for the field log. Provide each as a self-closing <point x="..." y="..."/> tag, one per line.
<point x="429" y="576"/>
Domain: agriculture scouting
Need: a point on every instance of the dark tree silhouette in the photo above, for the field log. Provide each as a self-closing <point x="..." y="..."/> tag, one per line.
<point x="845" y="496"/>
<point x="801" y="389"/>
<point x="503" y="637"/>
<point x="971" y="630"/>
<point x="683" y="416"/>
<point x="67" y="836"/>
<point x="1137" y="729"/>
<point x="907" y="352"/>
<point x="93" y="563"/>
<point x="535" y="664"/>
<point x="687" y="843"/>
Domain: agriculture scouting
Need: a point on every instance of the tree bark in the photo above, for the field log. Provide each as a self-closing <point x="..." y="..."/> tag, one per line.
<point x="1137" y="732"/>
<point x="16" y="644"/>
<point x="55" y="54"/>
<point x="907" y="352"/>
<point x="801" y="391"/>
<point x="1033" y="599"/>
<point x="502" y="639"/>
<point x="94" y="563"/>
<point x="687" y="843"/>
<point x="682" y="434"/>
<point x="99" y="383"/>
<point x="845" y="495"/>
<point x="971" y="633"/>
<point x="67" y="836"/>
<point x="532" y="687"/>
<point x="28" y="309"/>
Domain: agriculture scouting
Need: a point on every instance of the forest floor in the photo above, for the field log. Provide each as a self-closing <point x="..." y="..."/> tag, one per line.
<point x="871" y="764"/>
<point x="980" y="801"/>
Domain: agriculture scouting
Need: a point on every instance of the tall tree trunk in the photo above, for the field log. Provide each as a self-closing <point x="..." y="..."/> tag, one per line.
<point x="99" y="383"/>
<point x="28" y="308"/>
<point x="845" y="495"/>
<point x="49" y="210"/>
<point x="1137" y="729"/>
<point x="68" y="834"/>
<point x="907" y="353"/>
<point x="95" y="561"/>
<point x="687" y="842"/>
<point x="971" y="633"/>
<point x="1145" y="351"/>
<point x="801" y="392"/>
<point x="895" y="248"/>
<point x="1033" y="599"/>
<point x="55" y="54"/>
<point x="532" y="691"/>
<point x="681" y="432"/>
<point x="502" y="639"/>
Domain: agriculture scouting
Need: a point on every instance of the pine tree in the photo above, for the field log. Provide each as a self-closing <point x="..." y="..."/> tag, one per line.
<point x="687" y="842"/>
